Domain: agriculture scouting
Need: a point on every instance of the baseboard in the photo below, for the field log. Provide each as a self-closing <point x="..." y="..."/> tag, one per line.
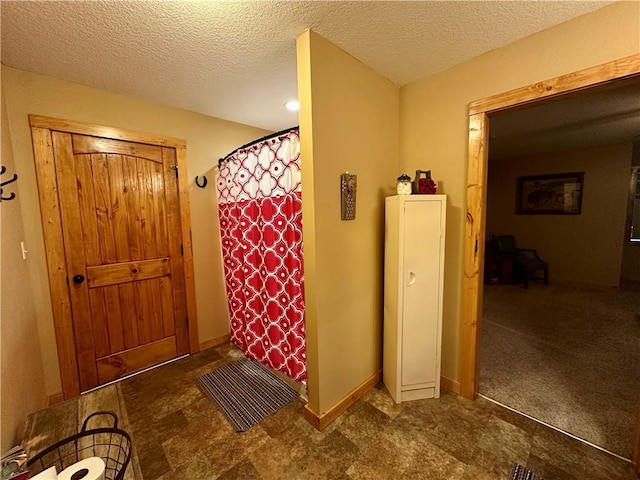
<point x="321" y="421"/>
<point x="450" y="384"/>
<point x="55" y="398"/>
<point x="214" y="342"/>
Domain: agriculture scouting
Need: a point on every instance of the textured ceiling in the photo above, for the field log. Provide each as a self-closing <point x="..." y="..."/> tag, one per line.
<point x="236" y="60"/>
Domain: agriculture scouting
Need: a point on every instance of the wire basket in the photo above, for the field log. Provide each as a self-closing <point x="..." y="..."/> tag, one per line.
<point x="111" y="444"/>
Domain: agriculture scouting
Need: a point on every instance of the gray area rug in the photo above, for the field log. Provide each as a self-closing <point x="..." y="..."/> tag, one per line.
<point x="246" y="392"/>
<point x="518" y="472"/>
<point x="567" y="356"/>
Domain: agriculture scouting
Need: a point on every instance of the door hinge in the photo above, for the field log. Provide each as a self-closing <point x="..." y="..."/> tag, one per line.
<point x="182" y="250"/>
<point x="186" y="322"/>
<point x="175" y="169"/>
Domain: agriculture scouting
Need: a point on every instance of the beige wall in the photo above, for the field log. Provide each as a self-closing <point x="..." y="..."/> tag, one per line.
<point x="580" y="249"/>
<point x="434" y="119"/>
<point x="207" y="139"/>
<point x="348" y="122"/>
<point x="22" y="380"/>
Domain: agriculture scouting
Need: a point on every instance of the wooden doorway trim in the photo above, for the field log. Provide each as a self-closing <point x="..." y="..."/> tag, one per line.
<point x="479" y="114"/>
<point x="52" y="227"/>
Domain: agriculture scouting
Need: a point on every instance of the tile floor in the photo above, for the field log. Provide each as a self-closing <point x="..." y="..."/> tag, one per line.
<point x="179" y="434"/>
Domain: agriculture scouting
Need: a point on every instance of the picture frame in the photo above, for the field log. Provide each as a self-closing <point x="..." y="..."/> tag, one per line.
<point x="554" y="194"/>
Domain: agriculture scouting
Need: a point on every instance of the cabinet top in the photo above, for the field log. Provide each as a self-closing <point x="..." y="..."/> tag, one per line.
<point x="418" y="197"/>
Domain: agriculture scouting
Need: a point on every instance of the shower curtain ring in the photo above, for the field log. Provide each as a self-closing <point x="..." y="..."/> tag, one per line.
<point x="204" y="182"/>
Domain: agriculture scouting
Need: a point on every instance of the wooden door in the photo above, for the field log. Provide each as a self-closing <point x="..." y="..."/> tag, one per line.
<point x="121" y="232"/>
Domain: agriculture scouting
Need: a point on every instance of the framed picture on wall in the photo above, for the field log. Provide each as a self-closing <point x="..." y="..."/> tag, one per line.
<point x="555" y="194"/>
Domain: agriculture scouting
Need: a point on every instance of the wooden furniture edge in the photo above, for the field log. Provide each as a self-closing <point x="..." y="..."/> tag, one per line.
<point x="474" y="252"/>
<point x="54" y="399"/>
<point x="56" y="269"/>
<point x="185" y="223"/>
<point x="635" y="458"/>
<point x="69" y="126"/>
<point x="578" y="80"/>
<point x="321" y="421"/>
<point x="214" y="342"/>
<point x="450" y="384"/>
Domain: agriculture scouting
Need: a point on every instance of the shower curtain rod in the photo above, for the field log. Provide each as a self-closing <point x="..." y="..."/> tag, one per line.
<point x="262" y="139"/>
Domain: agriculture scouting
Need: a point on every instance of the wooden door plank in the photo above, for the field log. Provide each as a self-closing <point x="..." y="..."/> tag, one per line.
<point x="119" y="208"/>
<point x="129" y="315"/>
<point x="185" y="228"/>
<point x="160" y="212"/>
<point x="147" y="212"/>
<point x="101" y="276"/>
<point x="75" y="258"/>
<point x="166" y="299"/>
<point x="175" y="251"/>
<point x="56" y="262"/>
<point x="114" y="318"/>
<point x="85" y="144"/>
<point x="103" y="208"/>
<point x="102" y="131"/>
<point x="129" y="361"/>
<point x="474" y="259"/>
<point x="86" y="198"/>
<point x="144" y="314"/>
<point x="99" y="317"/>
<point x="636" y="444"/>
<point x="130" y="172"/>
<point x="155" y="307"/>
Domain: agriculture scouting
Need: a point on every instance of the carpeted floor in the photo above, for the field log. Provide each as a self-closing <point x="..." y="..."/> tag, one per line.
<point x="567" y="356"/>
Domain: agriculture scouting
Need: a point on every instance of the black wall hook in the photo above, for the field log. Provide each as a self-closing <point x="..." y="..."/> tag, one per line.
<point x="11" y="180"/>
<point x="204" y="182"/>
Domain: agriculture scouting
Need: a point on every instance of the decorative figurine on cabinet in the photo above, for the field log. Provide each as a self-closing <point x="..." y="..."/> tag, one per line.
<point x="404" y="185"/>
<point x="423" y="183"/>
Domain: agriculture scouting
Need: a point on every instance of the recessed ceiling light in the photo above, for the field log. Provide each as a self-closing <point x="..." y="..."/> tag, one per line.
<point x="292" y="105"/>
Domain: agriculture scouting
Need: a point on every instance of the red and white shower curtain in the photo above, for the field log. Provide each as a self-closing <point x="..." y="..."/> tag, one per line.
<point x="260" y="207"/>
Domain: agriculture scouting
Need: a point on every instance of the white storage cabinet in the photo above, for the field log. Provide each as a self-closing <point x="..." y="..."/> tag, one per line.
<point x="413" y="284"/>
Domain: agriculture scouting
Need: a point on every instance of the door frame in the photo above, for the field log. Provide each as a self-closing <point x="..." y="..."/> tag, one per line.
<point x="479" y="114"/>
<point x="53" y="239"/>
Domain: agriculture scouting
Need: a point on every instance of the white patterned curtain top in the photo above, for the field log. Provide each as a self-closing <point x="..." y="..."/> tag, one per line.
<point x="265" y="169"/>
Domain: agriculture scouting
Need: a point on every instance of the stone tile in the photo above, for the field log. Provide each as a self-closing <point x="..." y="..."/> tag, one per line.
<point x="488" y="462"/>
<point x="152" y="433"/>
<point x="233" y="448"/>
<point x="363" y="425"/>
<point x="410" y="429"/>
<point x="525" y="423"/>
<point x="153" y="463"/>
<point x="195" y="467"/>
<point x="49" y="426"/>
<point x="242" y="471"/>
<point x="283" y="419"/>
<point x="382" y="460"/>
<point x="547" y="470"/>
<point x="277" y="454"/>
<point x="328" y="460"/>
<point x="472" y="472"/>
<point x="559" y="450"/>
<point x="506" y="441"/>
<point x="179" y="433"/>
<point x="433" y="463"/>
<point x="457" y="435"/>
<point x="381" y="399"/>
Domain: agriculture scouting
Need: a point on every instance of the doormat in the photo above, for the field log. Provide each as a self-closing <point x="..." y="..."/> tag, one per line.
<point x="245" y="392"/>
<point x="518" y="472"/>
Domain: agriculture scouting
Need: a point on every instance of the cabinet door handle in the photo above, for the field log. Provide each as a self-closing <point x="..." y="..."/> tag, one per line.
<point x="411" y="278"/>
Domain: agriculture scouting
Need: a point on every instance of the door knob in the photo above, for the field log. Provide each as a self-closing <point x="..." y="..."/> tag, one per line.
<point x="78" y="279"/>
